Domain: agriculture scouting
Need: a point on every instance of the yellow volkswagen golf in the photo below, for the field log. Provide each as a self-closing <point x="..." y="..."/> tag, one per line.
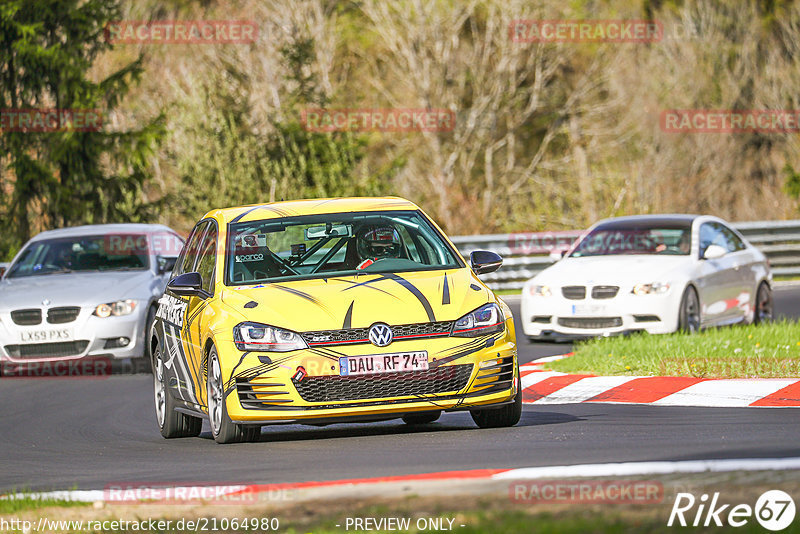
<point x="328" y="311"/>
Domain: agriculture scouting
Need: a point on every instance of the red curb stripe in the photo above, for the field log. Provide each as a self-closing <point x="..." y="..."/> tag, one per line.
<point x="544" y="388"/>
<point x="788" y="396"/>
<point x="526" y="372"/>
<point x="644" y="390"/>
<point x="444" y="475"/>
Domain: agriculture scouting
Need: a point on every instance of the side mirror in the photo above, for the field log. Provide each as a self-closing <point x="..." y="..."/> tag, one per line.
<point x="483" y="261"/>
<point x="2" y="270"/>
<point x="714" y="252"/>
<point x="188" y="285"/>
<point x="166" y="264"/>
<point x="556" y="255"/>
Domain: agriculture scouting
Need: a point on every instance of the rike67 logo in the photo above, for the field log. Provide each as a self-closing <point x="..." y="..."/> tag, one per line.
<point x="774" y="510"/>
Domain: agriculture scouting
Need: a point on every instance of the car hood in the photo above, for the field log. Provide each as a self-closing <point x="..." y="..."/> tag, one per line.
<point x="613" y="270"/>
<point x="72" y="289"/>
<point x="359" y="301"/>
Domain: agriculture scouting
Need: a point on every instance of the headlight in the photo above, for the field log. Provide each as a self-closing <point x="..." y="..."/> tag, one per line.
<point x="539" y="291"/>
<point x="487" y="319"/>
<point x="261" y="337"/>
<point x="120" y="307"/>
<point x="656" y="288"/>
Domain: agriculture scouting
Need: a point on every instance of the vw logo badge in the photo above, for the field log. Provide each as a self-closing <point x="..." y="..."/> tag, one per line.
<point x="380" y="334"/>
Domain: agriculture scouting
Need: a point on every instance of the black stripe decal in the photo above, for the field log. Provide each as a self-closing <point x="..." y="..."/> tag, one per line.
<point x="446" y="291"/>
<point x="297" y="292"/>
<point x="348" y="317"/>
<point x="416" y="292"/>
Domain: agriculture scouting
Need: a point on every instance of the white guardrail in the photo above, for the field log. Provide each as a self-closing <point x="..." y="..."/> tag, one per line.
<point x="525" y="254"/>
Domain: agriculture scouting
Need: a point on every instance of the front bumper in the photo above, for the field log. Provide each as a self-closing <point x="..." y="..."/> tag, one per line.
<point x="87" y="336"/>
<point x="556" y="318"/>
<point x="464" y="373"/>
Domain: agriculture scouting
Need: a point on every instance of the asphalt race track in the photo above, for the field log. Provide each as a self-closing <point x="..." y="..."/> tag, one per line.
<point x="87" y="433"/>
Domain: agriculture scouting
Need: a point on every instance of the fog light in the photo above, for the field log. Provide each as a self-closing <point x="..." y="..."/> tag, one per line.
<point x="116" y="342"/>
<point x="488" y="363"/>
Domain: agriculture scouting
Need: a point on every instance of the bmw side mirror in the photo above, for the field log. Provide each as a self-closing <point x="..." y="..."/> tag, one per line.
<point x="188" y="285"/>
<point x="483" y="261"/>
<point x="166" y="264"/>
<point x="714" y="252"/>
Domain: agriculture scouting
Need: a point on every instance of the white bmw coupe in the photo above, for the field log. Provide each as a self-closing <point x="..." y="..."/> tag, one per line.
<point x="654" y="273"/>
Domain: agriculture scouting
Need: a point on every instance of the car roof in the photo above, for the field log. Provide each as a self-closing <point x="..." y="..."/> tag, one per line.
<point x="95" y="229"/>
<point x="295" y="208"/>
<point x="672" y="220"/>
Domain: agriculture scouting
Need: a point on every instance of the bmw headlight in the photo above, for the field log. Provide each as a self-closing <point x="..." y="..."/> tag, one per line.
<point x="655" y="288"/>
<point x="120" y="307"/>
<point x="264" y="338"/>
<point x="487" y="319"/>
<point x="539" y="291"/>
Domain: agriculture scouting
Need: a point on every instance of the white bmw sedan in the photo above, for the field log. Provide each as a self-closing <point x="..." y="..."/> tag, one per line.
<point x="654" y="273"/>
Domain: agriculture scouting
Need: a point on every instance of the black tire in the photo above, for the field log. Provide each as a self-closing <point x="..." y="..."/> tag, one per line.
<point x="764" y="310"/>
<point x="171" y="423"/>
<point x="222" y="428"/>
<point x="422" y="418"/>
<point x="689" y="313"/>
<point x="508" y="415"/>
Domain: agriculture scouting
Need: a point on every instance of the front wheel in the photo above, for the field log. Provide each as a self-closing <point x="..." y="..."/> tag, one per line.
<point x="171" y="423"/>
<point x="689" y="314"/>
<point x="764" y="310"/>
<point x="508" y="415"/>
<point x="222" y="428"/>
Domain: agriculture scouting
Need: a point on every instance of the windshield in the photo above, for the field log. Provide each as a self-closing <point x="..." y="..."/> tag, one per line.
<point x="111" y="252"/>
<point x="604" y="241"/>
<point x="334" y="244"/>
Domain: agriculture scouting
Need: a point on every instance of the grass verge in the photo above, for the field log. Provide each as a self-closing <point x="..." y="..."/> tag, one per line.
<point x="752" y="351"/>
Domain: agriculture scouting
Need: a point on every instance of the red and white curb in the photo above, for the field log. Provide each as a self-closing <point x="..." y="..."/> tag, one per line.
<point x="551" y="387"/>
<point x="524" y="473"/>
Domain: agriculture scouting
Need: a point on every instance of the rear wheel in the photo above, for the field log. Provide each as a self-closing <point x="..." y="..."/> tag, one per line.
<point x="764" y="309"/>
<point x="689" y="314"/>
<point x="508" y="415"/>
<point x="422" y="418"/>
<point x="172" y="424"/>
<point x="222" y="428"/>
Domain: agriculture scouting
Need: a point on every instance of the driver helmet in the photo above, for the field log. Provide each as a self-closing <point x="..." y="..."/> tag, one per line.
<point x="376" y="242"/>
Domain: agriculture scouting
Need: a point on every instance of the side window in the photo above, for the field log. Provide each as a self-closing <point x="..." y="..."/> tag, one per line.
<point x="208" y="258"/>
<point x="185" y="263"/>
<point x="707" y="236"/>
<point x="733" y="242"/>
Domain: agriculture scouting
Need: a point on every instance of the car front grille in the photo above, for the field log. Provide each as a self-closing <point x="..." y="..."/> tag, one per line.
<point x="47" y="350"/>
<point x="590" y="322"/>
<point x="354" y="336"/>
<point x="574" y="292"/>
<point x="63" y="315"/>
<point x="604" y="292"/>
<point x="27" y="317"/>
<point x="446" y="379"/>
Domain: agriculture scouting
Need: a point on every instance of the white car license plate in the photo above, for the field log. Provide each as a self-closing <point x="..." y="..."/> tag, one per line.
<point x="372" y="364"/>
<point x="52" y="335"/>
<point x="588" y="309"/>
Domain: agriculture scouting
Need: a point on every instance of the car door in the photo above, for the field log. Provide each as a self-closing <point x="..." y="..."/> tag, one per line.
<point x="173" y="313"/>
<point x="718" y="282"/>
<point x="199" y="312"/>
<point x="744" y="275"/>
